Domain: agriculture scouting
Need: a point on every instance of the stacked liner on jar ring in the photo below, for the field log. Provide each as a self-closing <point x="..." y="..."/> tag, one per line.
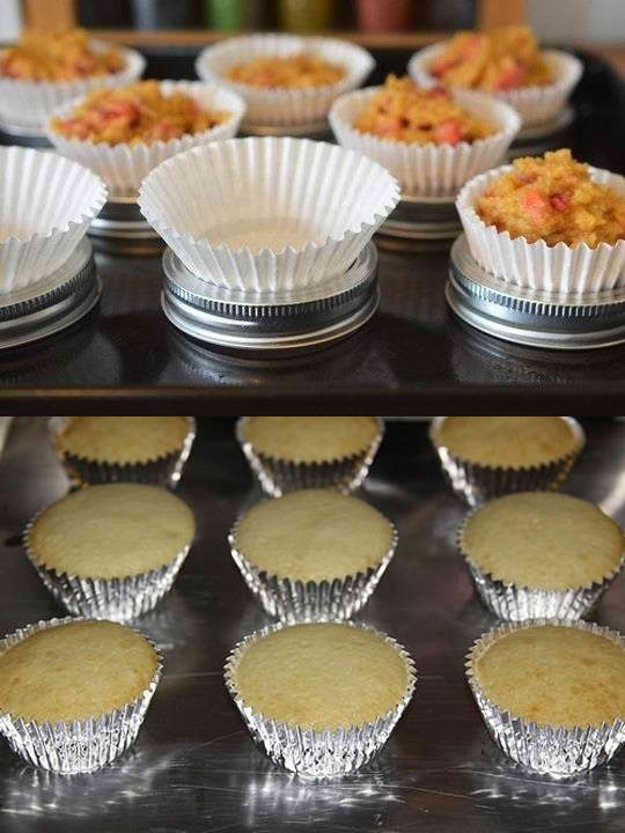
<point x="269" y="240"/>
<point x="48" y="279"/>
<point x="312" y="554"/>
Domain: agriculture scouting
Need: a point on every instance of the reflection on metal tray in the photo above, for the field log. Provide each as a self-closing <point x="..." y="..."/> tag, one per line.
<point x="319" y="130"/>
<point x="423" y="218"/>
<point x="195" y="768"/>
<point x="51" y="304"/>
<point x="537" y="138"/>
<point x="303" y="319"/>
<point x="535" y="319"/>
<point x="24" y="135"/>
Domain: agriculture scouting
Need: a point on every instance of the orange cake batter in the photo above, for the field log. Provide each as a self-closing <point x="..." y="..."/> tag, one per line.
<point x="302" y="70"/>
<point x="553" y="198"/>
<point x="403" y="112"/>
<point x="504" y="59"/>
<point x="136" y="113"/>
<point x="58" y="56"/>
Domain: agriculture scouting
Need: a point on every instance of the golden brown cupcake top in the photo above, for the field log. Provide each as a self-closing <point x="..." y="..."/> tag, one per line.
<point x="503" y="59"/>
<point x="310" y="439"/>
<point x="74" y="671"/>
<point x="403" y="112"/>
<point x="293" y="72"/>
<point x="138" y="113"/>
<point x="112" y="531"/>
<point x="58" y="56"/>
<point x="314" y="534"/>
<point x="543" y="540"/>
<point x="555" y="676"/>
<point x="516" y="442"/>
<point x="123" y="439"/>
<point x="553" y="198"/>
<point x="322" y="675"/>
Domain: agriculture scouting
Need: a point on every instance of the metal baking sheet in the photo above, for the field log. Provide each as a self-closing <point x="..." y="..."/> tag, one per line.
<point x="194" y="768"/>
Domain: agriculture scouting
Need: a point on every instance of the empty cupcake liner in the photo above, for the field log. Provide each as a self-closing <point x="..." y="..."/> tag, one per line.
<point x="276" y="476"/>
<point x="118" y="599"/>
<point x="429" y="170"/>
<point x="534" y="104"/>
<point x="546" y="749"/>
<point x="280" y="107"/>
<point x="83" y="745"/>
<point x="515" y="603"/>
<point x="47" y="205"/>
<point x="163" y="471"/>
<point x="124" y="166"/>
<point x="477" y="484"/>
<point x="317" y="753"/>
<point x="31" y="103"/>
<point x="292" y="600"/>
<point x="559" y="269"/>
<point x="312" y="208"/>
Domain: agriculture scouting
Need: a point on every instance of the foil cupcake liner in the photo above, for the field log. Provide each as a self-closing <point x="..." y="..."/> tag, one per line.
<point x="546" y="749"/>
<point x="292" y="600"/>
<point x="282" y="107"/>
<point x="118" y="599"/>
<point x="514" y="603"/>
<point x="429" y="170"/>
<point x="276" y="476"/>
<point x="31" y="103"/>
<point x="163" y="471"/>
<point x="124" y="166"/>
<point x="559" y="269"/>
<point x="79" y="746"/>
<point x="46" y="206"/>
<point x="534" y="104"/>
<point x="477" y="484"/>
<point x="318" y="753"/>
<point x="330" y="200"/>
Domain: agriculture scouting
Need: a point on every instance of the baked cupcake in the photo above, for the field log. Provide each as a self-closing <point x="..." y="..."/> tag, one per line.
<point x="111" y="551"/>
<point x="122" y="448"/>
<point x="430" y="139"/>
<point x="541" y="554"/>
<point x="485" y="457"/>
<point x="287" y="81"/>
<point x="74" y="692"/>
<point x="549" y="224"/>
<point x="288" y="453"/>
<point x="314" y="554"/>
<point x="123" y="133"/>
<point x="507" y="63"/>
<point x="321" y="699"/>
<point x="48" y="69"/>
<point x="551" y="692"/>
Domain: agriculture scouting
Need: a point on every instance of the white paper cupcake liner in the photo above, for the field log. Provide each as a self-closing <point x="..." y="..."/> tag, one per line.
<point x="514" y="603"/>
<point x="318" y="753"/>
<point x="124" y="166"/>
<point x="477" y="484"/>
<point x="83" y="745"/>
<point x="429" y="170"/>
<point x="292" y="600"/>
<point x="278" y="107"/>
<point x="46" y="206"/>
<point x="163" y="471"/>
<point x="547" y="749"/>
<point x="31" y="103"/>
<point x="559" y="269"/>
<point x="118" y="599"/>
<point x="277" y="477"/>
<point x="534" y="104"/>
<point x="330" y="200"/>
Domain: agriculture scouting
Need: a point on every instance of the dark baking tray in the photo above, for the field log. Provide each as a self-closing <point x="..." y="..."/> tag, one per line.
<point x="413" y="356"/>
<point x="194" y="768"/>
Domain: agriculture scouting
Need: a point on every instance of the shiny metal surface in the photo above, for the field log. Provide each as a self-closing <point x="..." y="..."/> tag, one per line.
<point x="194" y="768"/>
<point x="535" y="319"/>
<point x="122" y="219"/>
<point x="24" y="135"/>
<point x="423" y="218"/>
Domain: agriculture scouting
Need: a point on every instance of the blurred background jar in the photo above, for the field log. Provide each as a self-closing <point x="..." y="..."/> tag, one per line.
<point x="163" y="14"/>
<point x="305" y="15"/>
<point x="384" y="15"/>
<point x="235" y="15"/>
